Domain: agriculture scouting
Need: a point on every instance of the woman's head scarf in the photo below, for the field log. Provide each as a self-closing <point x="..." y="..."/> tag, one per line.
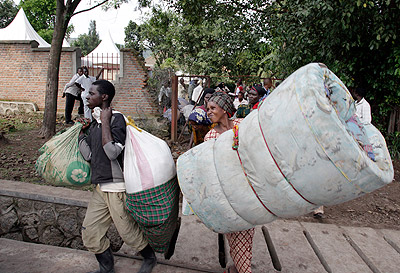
<point x="199" y="116"/>
<point x="224" y="101"/>
<point x="260" y="90"/>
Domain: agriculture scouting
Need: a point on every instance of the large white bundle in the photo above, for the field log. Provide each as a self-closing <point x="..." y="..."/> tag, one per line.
<point x="295" y="153"/>
<point x="148" y="161"/>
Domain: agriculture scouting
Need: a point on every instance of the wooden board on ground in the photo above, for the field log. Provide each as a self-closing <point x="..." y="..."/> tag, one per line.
<point x="336" y="250"/>
<point x="294" y="251"/>
<point x="375" y="248"/>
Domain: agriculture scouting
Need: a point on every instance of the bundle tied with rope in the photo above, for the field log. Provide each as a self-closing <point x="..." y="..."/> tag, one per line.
<point x="152" y="192"/>
<point x="296" y="152"/>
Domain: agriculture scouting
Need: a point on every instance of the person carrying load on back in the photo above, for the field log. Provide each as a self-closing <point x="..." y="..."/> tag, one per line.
<point x="200" y="125"/>
<point x="103" y="146"/>
<point x="220" y="109"/>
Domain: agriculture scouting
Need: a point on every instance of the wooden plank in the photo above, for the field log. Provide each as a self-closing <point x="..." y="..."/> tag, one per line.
<point x="261" y="262"/>
<point x="22" y="257"/>
<point x="392" y="237"/>
<point x="382" y="256"/>
<point x="294" y="251"/>
<point x="336" y="250"/>
<point x="196" y="245"/>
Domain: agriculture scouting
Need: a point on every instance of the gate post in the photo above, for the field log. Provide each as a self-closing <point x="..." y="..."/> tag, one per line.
<point x="174" y="109"/>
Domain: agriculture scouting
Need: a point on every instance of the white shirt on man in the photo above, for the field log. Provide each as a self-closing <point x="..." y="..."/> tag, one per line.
<point x="236" y="102"/>
<point x="363" y="111"/>
<point x="197" y="92"/>
<point x="86" y="83"/>
<point x="71" y="87"/>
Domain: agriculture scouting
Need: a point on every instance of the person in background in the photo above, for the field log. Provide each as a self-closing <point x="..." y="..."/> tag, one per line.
<point x="164" y="97"/>
<point x="239" y="100"/>
<point x="255" y="95"/>
<point x="198" y="120"/>
<point x="319" y="213"/>
<point x="200" y="124"/>
<point x="220" y="109"/>
<point x="363" y="112"/>
<point x="72" y="93"/>
<point x="101" y="142"/>
<point x="182" y="90"/>
<point x="197" y="91"/>
<point x="222" y="87"/>
<point x="267" y="83"/>
<point x="206" y="95"/>
<point x="84" y="82"/>
<point x="192" y="86"/>
<point x="239" y="87"/>
<point x="363" y="109"/>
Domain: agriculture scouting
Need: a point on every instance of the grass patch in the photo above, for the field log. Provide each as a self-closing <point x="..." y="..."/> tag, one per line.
<point x="20" y="122"/>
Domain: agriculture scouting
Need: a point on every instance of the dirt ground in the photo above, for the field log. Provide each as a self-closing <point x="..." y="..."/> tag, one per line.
<point x="19" y="151"/>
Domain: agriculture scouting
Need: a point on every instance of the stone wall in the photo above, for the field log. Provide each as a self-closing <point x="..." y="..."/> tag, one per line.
<point x="24" y="73"/>
<point x="45" y="214"/>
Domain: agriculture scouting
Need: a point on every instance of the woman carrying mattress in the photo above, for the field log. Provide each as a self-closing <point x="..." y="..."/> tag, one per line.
<point x="220" y="109"/>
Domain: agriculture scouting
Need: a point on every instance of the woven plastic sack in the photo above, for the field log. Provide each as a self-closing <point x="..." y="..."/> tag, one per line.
<point x="60" y="162"/>
<point x="156" y="212"/>
<point x="295" y="153"/>
<point x="148" y="161"/>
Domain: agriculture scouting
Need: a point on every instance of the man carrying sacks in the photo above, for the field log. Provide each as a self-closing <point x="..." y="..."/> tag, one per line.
<point x="103" y="146"/>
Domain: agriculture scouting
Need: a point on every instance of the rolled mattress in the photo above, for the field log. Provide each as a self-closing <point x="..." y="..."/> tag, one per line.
<point x="295" y="153"/>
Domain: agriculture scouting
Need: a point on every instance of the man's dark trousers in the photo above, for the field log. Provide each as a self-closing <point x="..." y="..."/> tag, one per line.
<point x="69" y="106"/>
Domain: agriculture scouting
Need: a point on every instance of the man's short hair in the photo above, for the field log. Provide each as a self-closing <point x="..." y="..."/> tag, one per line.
<point x="268" y="80"/>
<point x="361" y="92"/>
<point x="105" y="87"/>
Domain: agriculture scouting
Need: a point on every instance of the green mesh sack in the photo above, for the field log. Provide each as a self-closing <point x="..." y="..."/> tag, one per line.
<point x="60" y="162"/>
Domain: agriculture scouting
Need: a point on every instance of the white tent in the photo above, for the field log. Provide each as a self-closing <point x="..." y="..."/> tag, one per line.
<point x="20" y="29"/>
<point x="105" y="52"/>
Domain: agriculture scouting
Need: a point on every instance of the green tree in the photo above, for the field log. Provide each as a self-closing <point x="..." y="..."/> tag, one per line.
<point x="203" y="46"/>
<point x="133" y="36"/>
<point x="358" y="40"/>
<point x="8" y="10"/>
<point x="41" y="14"/>
<point x="65" y="10"/>
<point x="88" y="42"/>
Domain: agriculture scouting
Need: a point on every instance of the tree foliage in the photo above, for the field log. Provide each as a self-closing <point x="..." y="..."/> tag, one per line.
<point x="133" y="36"/>
<point x="358" y="40"/>
<point x="65" y="10"/>
<point x="8" y="10"/>
<point x="88" y="42"/>
<point x="42" y="15"/>
<point x="217" y="46"/>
